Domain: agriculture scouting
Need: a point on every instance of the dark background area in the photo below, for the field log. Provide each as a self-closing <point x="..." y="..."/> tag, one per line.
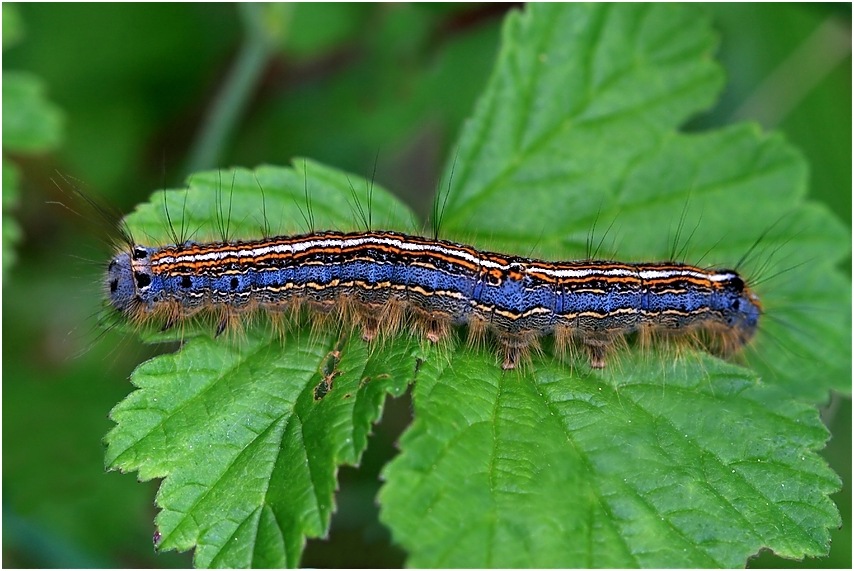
<point x="350" y="86"/>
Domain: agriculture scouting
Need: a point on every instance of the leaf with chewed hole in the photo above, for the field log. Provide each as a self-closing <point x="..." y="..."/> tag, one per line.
<point x="664" y="459"/>
<point x="249" y="433"/>
<point x="249" y="437"/>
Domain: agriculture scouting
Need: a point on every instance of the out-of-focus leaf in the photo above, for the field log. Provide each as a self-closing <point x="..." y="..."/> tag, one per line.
<point x="31" y="124"/>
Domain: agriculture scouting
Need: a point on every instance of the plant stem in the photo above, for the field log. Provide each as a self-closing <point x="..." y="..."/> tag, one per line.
<point x="264" y="27"/>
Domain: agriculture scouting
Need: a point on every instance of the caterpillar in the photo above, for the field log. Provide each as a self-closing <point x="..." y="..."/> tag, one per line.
<point x="382" y="279"/>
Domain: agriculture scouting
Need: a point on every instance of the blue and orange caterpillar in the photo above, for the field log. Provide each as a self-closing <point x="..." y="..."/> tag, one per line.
<point x="383" y="279"/>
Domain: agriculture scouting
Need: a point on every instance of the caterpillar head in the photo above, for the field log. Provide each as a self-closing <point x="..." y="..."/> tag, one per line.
<point x="128" y="278"/>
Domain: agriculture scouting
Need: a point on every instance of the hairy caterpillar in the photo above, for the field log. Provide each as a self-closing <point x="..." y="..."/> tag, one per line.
<point x="382" y="279"/>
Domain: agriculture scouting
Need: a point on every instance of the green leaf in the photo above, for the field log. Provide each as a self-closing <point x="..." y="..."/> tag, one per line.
<point x="692" y="464"/>
<point x="31" y="124"/>
<point x="239" y="203"/>
<point x="572" y="87"/>
<point x="248" y="434"/>
<point x="660" y="460"/>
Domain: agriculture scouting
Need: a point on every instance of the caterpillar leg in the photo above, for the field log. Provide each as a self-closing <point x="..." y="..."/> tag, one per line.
<point x="434" y="327"/>
<point x="370" y="326"/>
<point x="374" y="320"/>
<point x="516" y="349"/>
<point x="437" y="329"/>
<point x="597" y="348"/>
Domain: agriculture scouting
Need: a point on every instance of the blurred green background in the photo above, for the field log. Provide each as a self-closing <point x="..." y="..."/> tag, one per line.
<point x="148" y="92"/>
